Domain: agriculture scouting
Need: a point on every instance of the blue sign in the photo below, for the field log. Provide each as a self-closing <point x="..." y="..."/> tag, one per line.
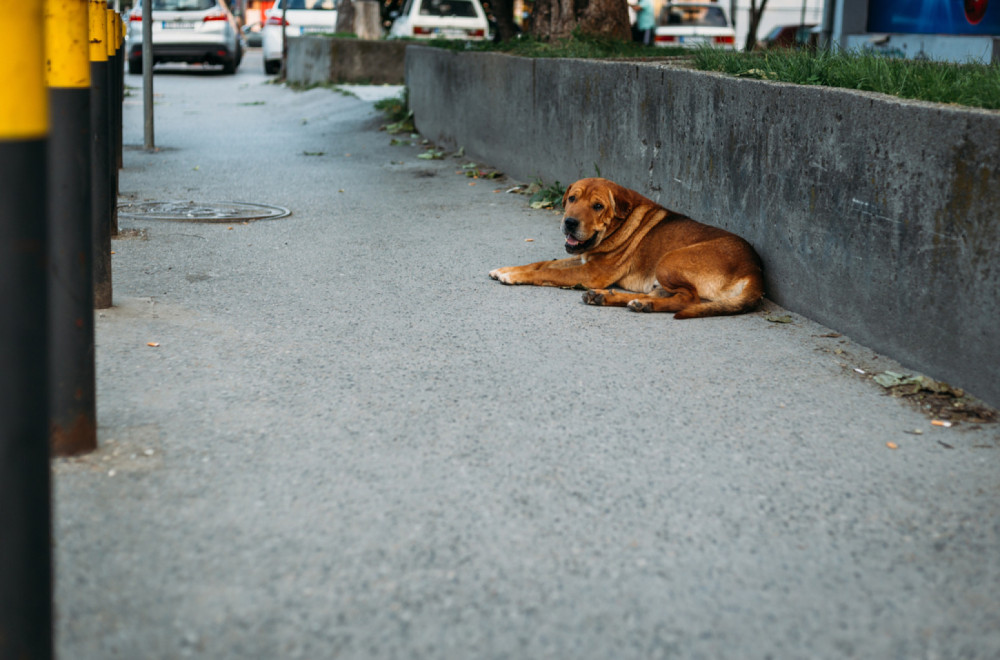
<point x="955" y="17"/>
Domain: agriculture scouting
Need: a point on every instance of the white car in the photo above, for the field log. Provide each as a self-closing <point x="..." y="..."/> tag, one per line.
<point x="441" y="19"/>
<point x="302" y="17"/>
<point x="691" y="24"/>
<point x="192" y="31"/>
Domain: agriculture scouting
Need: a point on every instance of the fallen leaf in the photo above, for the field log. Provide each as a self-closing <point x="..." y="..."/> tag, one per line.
<point x="778" y="319"/>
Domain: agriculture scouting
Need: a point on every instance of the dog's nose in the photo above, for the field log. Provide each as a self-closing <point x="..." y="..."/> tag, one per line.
<point x="570" y="225"/>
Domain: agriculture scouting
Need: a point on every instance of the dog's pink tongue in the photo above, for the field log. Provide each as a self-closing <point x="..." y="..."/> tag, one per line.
<point x="572" y="241"/>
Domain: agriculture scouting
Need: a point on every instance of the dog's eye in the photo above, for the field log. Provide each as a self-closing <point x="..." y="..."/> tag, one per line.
<point x="598" y="206"/>
<point x="571" y="198"/>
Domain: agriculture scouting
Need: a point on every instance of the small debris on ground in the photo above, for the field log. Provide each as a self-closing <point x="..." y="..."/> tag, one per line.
<point x="947" y="405"/>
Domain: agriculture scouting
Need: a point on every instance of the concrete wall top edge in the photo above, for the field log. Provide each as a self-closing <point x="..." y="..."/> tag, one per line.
<point x="682" y="67"/>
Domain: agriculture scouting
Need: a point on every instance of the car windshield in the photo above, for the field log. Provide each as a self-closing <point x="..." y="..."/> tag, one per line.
<point x="462" y="8"/>
<point x="693" y="16"/>
<point x="318" y="5"/>
<point x="183" y="5"/>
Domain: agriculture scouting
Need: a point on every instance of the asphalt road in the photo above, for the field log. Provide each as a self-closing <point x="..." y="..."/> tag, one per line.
<point x="349" y="442"/>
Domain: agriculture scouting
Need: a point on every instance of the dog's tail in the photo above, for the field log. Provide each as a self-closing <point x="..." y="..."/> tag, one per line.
<point x="751" y="292"/>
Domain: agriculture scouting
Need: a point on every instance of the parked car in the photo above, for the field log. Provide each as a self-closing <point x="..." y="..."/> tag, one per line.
<point x="193" y="31"/>
<point x="693" y="24"/>
<point x="302" y="17"/>
<point x="787" y="36"/>
<point x="441" y="19"/>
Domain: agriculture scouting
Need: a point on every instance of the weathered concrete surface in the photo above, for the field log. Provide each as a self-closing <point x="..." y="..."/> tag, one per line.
<point x="874" y="216"/>
<point x="318" y="60"/>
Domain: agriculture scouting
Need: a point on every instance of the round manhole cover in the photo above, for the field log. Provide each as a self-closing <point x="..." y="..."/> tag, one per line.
<point x="201" y="211"/>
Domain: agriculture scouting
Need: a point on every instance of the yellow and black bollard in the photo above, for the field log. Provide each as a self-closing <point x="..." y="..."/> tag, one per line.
<point x="72" y="388"/>
<point x="25" y="518"/>
<point x="114" y="105"/>
<point x="120" y="74"/>
<point x="100" y="153"/>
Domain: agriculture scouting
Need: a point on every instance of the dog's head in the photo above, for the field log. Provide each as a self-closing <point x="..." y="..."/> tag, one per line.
<point x="594" y="208"/>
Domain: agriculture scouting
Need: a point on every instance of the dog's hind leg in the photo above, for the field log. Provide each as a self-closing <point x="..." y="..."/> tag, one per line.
<point x="659" y="300"/>
<point x="608" y="297"/>
<point x="664" y="300"/>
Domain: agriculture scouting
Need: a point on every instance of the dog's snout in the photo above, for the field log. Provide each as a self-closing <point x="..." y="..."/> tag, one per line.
<point x="570" y="225"/>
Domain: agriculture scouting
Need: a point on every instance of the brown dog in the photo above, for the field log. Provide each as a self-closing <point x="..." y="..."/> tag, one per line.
<point x="665" y="261"/>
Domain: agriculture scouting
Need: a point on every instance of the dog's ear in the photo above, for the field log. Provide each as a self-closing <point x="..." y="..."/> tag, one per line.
<point x="566" y="195"/>
<point x="624" y="201"/>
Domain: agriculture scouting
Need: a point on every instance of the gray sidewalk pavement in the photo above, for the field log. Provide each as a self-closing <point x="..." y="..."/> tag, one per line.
<point x="348" y="442"/>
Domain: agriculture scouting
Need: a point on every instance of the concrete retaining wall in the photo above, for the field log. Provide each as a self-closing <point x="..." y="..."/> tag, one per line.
<point x="318" y="60"/>
<point x="877" y="217"/>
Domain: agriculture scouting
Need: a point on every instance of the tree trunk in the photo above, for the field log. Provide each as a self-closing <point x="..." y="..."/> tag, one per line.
<point x="345" y="17"/>
<point x="503" y="14"/>
<point x="755" y="15"/>
<point x="367" y="19"/>
<point x="556" y="19"/>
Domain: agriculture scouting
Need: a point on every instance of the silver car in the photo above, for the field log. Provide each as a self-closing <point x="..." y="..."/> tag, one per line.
<point x="192" y="31"/>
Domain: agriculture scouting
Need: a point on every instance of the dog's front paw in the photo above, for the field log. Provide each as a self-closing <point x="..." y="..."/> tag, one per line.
<point x="592" y="297"/>
<point x="640" y="306"/>
<point x="502" y="275"/>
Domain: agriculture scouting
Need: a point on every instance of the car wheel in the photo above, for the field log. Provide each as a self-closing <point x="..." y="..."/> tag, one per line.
<point x="229" y="67"/>
<point x="271" y="67"/>
<point x="135" y="67"/>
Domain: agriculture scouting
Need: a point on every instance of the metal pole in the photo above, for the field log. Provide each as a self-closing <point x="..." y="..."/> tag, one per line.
<point x="826" y="33"/>
<point x="25" y="514"/>
<point x="72" y="393"/>
<point x="100" y="155"/>
<point x="284" y="41"/>
<point x="147" y="75"/>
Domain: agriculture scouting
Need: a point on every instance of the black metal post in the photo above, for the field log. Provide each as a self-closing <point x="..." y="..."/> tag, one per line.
<point x="25" y="518"/>
<point x="72" y="393"/>
<point x="100" y="155"/>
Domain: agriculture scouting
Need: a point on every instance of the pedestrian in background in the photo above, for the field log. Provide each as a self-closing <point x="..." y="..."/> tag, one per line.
<point x="644" y="21"/>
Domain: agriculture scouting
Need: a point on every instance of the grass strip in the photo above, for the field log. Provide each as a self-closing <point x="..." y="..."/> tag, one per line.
<point x="974" y="85"/>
